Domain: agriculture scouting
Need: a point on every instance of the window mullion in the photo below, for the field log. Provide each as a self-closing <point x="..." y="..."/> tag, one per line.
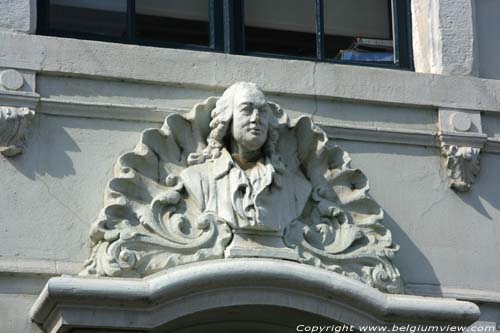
<point x="400" y="32"/>
<point x="233" y="26"/>
<point x="216" y="18"/>
<point x="320" y="30"/>
<point x="43" y="26"/>
<point x="130" y="21"/>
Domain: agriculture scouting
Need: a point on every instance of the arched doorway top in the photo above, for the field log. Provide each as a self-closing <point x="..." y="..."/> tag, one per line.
<point x="151" y="303"/>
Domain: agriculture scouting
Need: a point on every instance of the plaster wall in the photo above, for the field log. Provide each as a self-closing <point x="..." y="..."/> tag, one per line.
<point x="52" y="192"/>
<point x="13" y="309"/>
<point x="443" y="34"/>
<point x="18" y="15"/>
<point x="57" y="186"/>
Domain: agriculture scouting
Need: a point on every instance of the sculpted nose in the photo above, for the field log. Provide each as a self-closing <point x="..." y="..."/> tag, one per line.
<point x="255" y="116"/>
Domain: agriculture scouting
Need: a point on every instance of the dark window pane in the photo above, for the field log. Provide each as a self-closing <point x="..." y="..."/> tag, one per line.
<point x="106" y="18"/>
<point x="285" y="27"/>
<point x="184" y="22"/>
<point x="358" y="30"/>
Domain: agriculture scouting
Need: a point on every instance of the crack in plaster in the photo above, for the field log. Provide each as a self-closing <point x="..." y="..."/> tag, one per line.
<point x="315" y="91"/>
<point x="47" y="188"/>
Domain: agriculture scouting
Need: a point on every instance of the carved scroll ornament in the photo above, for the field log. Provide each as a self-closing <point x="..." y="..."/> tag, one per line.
<point x="236" y="169"/>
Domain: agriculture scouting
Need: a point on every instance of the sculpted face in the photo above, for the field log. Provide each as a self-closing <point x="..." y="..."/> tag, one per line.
<point x="250" y="119"/>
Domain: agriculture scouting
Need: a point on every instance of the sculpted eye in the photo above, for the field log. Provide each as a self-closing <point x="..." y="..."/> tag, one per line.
<point x="247" y="109"/>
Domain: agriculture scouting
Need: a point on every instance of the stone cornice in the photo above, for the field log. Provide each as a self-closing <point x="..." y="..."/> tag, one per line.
<point x="62" y="56"/>
<point x="474" y="295"/>
<point x="347" y="132"/>
<point x="384" y="135"/>
<point x="104" y="110"/>
<point x="178" y="292"/>
<point x="19" y="98"/>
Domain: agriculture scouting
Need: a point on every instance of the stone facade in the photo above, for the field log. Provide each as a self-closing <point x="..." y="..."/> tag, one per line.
<point x="428" y="140"/>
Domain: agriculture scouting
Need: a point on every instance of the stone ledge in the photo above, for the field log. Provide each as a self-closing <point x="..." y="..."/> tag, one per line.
<point x="127" y="112"/>
<point x="216" y="71"/>
<point x="15" y="265"/>
<point x="19" y="99"/>
<point x="121" y="303"/>
<point x="474" y="295"/>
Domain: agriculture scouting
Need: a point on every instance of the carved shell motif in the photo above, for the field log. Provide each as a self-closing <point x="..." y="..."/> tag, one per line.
<point x="149" y="223"/>
<point x="341" y="228"/>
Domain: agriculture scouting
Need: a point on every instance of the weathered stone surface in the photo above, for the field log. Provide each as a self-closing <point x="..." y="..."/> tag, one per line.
<point x="14" y="126"/>
<point x="156" y="302"/>
<point x="11" y="79"/>
<point x="72" y="57"/>
<point x="236" y="177"/>
<point x="18" y="15"/>
<point x="462" y="166"/>
<point x="444" y="37"/>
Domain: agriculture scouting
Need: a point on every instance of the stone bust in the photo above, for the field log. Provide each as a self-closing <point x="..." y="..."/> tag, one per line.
<point x="240" y="176"/>
<point x="235" y="177"/>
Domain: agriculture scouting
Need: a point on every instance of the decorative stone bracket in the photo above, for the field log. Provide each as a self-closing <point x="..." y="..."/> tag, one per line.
<point x="14" y="127"/>
<point x="17" y="103"/>
<point x="461" y="141"/>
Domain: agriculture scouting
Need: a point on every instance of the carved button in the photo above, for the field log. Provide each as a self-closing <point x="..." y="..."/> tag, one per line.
<point x="11" y="79"/>
<point x="461" y="122"/>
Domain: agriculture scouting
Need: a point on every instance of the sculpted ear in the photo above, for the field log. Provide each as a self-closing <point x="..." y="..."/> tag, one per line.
<point x="278" y="113"/>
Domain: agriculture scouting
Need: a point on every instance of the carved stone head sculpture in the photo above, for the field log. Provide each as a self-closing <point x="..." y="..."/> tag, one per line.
<point x="243" y="120"/>
<point x="251" y="115"/>
<point x="236" y="178"/>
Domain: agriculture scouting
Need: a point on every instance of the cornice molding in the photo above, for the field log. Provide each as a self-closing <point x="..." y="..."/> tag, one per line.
<point x="128" y="112"/>
<point x="19" y="98"/>
<point x="104" y="110"/>
<point x="473" y="295"/>
<point x="82" y="58"/>
<point x="385" y="135"/>
<point x="155" y="301"/>
<point x="492" y="145"/>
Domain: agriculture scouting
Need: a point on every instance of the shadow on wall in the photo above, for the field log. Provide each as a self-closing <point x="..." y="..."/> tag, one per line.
<point x="426" y="217"/>
<point x="486" y="189"/>
<point x="51" y="144"/>
<point x="46" y="151"/>
<point x="398" y="175"/>
<point x="410" y="260"/>
<point x="59" y="144"/>
<point x="60" y="147"/>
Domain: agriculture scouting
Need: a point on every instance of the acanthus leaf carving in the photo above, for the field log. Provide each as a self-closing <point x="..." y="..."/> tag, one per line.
<point x="462" y="166"/>
<point x="14" y="127"/>
<point x="238" y="166"/>
<point x="341" y="229"/>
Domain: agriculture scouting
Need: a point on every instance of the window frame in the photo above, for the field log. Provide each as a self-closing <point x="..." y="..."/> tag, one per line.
<point x="227" y="33"/>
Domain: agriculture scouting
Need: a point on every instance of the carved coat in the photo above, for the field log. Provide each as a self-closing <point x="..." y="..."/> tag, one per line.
<point x="263" y="201"/>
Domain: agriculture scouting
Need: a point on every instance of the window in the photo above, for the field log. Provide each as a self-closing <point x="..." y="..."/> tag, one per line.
<point x="373" y="32"/>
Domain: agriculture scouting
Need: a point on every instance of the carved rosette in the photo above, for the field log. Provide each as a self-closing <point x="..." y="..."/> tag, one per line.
<point x="14" y="127"/>
<point x="462" y="165"/>
<point x="149" y="222"/>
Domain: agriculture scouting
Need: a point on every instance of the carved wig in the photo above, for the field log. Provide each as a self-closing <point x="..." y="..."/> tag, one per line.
<point x="220" y="125"/>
